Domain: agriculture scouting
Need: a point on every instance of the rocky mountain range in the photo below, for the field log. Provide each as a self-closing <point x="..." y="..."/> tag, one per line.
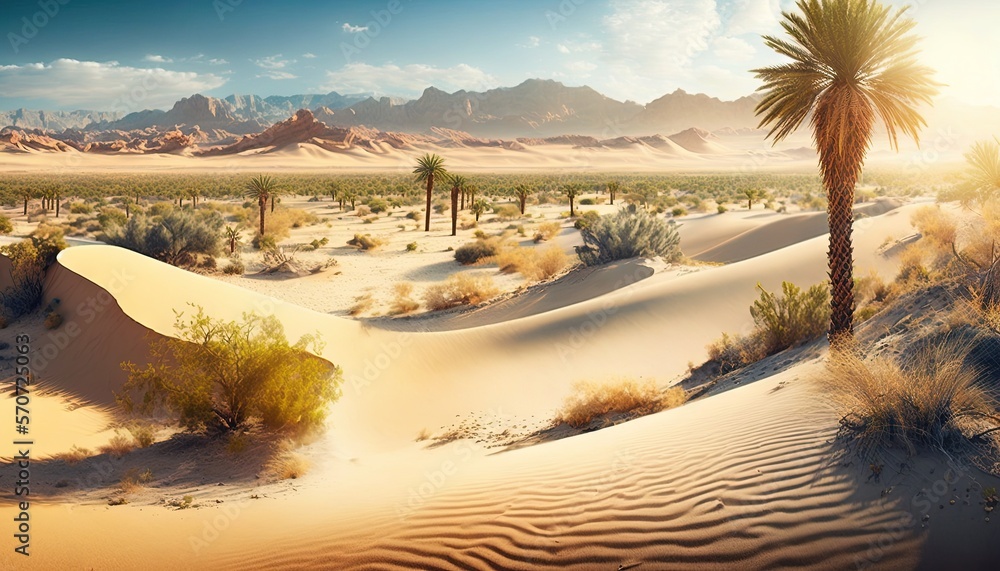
<point x="535" y="108"/>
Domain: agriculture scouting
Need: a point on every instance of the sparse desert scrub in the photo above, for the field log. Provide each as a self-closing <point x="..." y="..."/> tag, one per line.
<point x="474" y="252"/>
<point x="27" y="272"/>
<point x="532" y="263"/>
<point x="175" y="237"/>
<point x="362" y="303"/>
<point x="595" y="400"/>
<point x="118" y="446"/>
<point x="134" y="480"/>
<point x="506" y="212"/>
<point x="143" y="434"/>
<point x="402" y="301"/>
<point x="459" y="289"/>
<point x="628" y="233"/>
<point x="288" y="465"/>
<point x="74" y="455"/>
<point x="547" y="231"/>
<point x="365" y="242"/>
<point x="234" y="268"/>
<point x="586" y="219"/>
<point x="780" y="322"/>
<point x="934" y="400"/>
<point x="6" y="226"/>
<point x="223" y="374"/>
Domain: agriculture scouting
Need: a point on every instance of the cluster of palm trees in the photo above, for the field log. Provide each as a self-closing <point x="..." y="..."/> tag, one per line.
<point x="430" y="168"/>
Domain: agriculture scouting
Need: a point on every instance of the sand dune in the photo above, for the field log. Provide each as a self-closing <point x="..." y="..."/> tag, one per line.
<point x="745" y="479"/>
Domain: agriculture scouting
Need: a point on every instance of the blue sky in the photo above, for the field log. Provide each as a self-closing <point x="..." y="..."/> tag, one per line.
<point x="129" y="55"/>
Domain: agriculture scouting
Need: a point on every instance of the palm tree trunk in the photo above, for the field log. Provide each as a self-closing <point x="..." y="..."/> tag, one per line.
<point x="454" y="211"/>
<point x="263" y="208"/>
<point x="427" y="212"/>
<point x="25" y="205"/>
<point x="463" y="199"/>
<point x="524" y="199"/>
<point x="57" y="206"/>
<point x="272" y="204"/>
<point x="572" y="212"/>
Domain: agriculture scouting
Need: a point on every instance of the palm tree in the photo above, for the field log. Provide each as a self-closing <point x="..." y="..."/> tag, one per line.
<point x="471" y="189"/>
<point x="572" y="191"/>
<point x="428" y="168"/>
<point x="193" y="195"/>
<point x="260" y="187"/>
<point x="479" y="207"/>
<point x="853" y="62"/>
<point x="458" y="183"/>
<point x="753" y="194"/>
<point x="983" y="178"/>
<point x="234" y="238"/>
<point x="274" y="195"/>
<point x="522" y="192"/>
<point x="613" y="187"/>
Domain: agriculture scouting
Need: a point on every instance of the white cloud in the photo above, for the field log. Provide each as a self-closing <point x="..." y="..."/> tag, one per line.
<point x="275" y="74"/>
<point x="218" y="61"/>
<point x="754" y="16"/>
<point x="157" y="58"/>
<point x="532" y="42"/>
<point x="582" y="67"/>
<point x="353" y="29"/>
<point x="309" y="55"/>
<point x="102" y="85"/>
<point x="563" y="49"/>
<point x="650" y="46"/>
<point x="407" y="80"/>
<point x="272" y="62"/>
<point x="733" y="49"/>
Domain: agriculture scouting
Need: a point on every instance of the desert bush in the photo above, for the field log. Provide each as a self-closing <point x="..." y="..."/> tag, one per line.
<point x="506" y="212"/>
<point x="73" y="456"/>
<point x="288" y="465"/>
<point x="110" y="217"/>
<point x="377" y="205"/>
<point x="118" y="446"/>
<point x="175" y="237"/>
<point x="475" y="252"/>
<point x="547" y="231"/>
<point x="587" y="202"/>
<point x="631" y="398"/>
<point x="317" y="244"/>
<point x="532" y="263"/>
<point x="134" y="479"/>
<point x="721" y="209"/>
<point x="411" y="247"/>
<point x="49" y="240"/>
<point x="223" y="374"/>
<point x="586" y="219"/>
<point x="143" y="435"/>
<point x="459" y="289"/>
<point x="80" y="208"/>
<point x="362" y="303"/>
<point x="735" y="351"/>
<point x="365" y="242"/>
<point x="415" y="215"/>
<point x="931" y="401"/>
<point x="264" y="243"/>
<point x="403" y="302"/>
<point x="628" y="233"/>
<point x="790" y="319"/>
<point x="441" y="207"/>
<point x="6" y="226"/>
<point x="27" y="272"/>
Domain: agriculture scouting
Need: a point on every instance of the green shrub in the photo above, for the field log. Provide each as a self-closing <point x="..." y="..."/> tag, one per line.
<point x="49" y="240"/>
<point x="80" y="208"/>
<point x="6" y="226"/>
<point x="506" y="212"/>
<point x="721" y="209"/>
<point x="587" y="202"/>
<point x="27" y="272"/>
<point x="235" y="267"/>
<point x="110" y="217"/>
<point x="411" y="247"/>
<point x="175" y="237"/>
<point x="795" y="317"/>
<point x="377" y="205"/>
<point x="474" y="252"/>
<point x="547" y="231"/>
<point x="264" y="243"/>
<point x="628" y="233"/>
<point x="679" y="211"/>
<point x="226" y="374"/>
<point x="586" y="219"/>
<point x="415" y="215"/>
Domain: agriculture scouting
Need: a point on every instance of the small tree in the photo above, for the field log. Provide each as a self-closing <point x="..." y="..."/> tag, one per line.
<point x="572" y="191"/>
<point x="224" y="374"/>
<point x="613" y="187"/>
<point x="479" y="207"/>
<point x="458" y="184"/>
<point x="234" y="238"/>
<point x="522" y="192"/>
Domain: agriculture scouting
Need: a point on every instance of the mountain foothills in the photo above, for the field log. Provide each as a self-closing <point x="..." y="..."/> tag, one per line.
<point x="536" y="112"/>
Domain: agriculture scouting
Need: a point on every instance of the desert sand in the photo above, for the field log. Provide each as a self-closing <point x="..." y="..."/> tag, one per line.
<point x="746" y="479"/>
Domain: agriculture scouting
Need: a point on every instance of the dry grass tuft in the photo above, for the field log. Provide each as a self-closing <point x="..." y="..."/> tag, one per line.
<point x="592" y="400"/>
<point x="934" y="400"/>
<point x="143" y="434"/>
<point x="547" y="231"/>
<point x="460" y="289"/>
<point x="288" y="465"/>
<point x="134" y="480"/>
<point x="73" y="456"/>
<point x="532" y="263"/>
<point x="118" y="446"/>
<point x="362" y="304"/>
<point x="403" y="301"/>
